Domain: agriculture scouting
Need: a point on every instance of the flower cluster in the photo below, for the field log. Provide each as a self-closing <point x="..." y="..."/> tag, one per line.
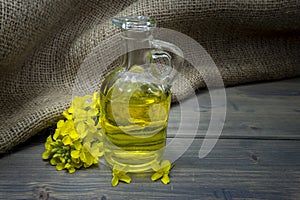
<point x="77" y="141"/>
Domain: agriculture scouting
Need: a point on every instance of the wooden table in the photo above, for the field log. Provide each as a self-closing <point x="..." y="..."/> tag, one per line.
<point x="256" y="157"/>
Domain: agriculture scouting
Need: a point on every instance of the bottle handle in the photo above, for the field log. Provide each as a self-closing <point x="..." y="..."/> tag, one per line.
<point x="164" y="50"/>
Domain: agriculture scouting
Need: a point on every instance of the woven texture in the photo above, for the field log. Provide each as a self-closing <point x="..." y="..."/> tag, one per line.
<point x="42" y="44"/>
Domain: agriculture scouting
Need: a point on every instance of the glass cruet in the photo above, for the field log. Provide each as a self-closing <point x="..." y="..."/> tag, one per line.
<point x="135" y="98"/>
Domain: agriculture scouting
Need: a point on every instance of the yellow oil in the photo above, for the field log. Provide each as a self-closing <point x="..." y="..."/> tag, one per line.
<point x="134" y="117"/>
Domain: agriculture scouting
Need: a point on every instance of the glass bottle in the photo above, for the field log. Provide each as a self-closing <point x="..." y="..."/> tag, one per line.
<point x="135" y="98"/>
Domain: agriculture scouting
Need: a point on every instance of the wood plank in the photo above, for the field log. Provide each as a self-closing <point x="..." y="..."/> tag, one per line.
<point x="257" y="156"/>
<point x="235" y="169"/>
<point x="262" y="110"/>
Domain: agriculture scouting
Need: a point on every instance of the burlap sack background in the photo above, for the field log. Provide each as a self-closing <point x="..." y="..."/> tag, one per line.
<point x="43" y="42"/>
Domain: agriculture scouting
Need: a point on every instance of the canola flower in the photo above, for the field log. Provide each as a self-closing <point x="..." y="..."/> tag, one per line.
<point x="119" y="175"/>
<point x="77" y="141"/>
<point x="162" y="171"/>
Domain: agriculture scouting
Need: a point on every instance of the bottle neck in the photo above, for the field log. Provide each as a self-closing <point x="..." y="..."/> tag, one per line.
<point x="136" y="44"/>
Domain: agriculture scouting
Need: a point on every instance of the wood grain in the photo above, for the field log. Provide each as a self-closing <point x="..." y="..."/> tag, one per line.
<point x="257" y="157"/>
<point x="262" y="110"/>
<point x="235" y="169"/>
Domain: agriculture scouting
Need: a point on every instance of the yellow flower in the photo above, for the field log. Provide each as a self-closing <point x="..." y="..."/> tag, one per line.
<point x="59" y="125"/>
<point x="67" y="115"/>
<point x="67" y="140"/>
<point x="83" y="108"/>
<point x="161" y="171"/>
<point x="82" y="129"/>
<point x="77" y="141"/>
<point x="119" y="175"/>
<point x="96" y="99"/>
<point x="77" y="144"/>
<point x="88" y="156"/>
<point x="70" y="168"/>
<point x="97" y="149"/>
<point x="48" y="148"/>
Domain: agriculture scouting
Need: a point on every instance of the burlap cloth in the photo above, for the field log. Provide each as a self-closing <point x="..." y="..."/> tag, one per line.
<point x="43" y="42"/>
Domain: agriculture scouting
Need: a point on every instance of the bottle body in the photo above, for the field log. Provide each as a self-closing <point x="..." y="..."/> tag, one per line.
<point x="135" y="98"/>
<point x="134" y="118"/>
